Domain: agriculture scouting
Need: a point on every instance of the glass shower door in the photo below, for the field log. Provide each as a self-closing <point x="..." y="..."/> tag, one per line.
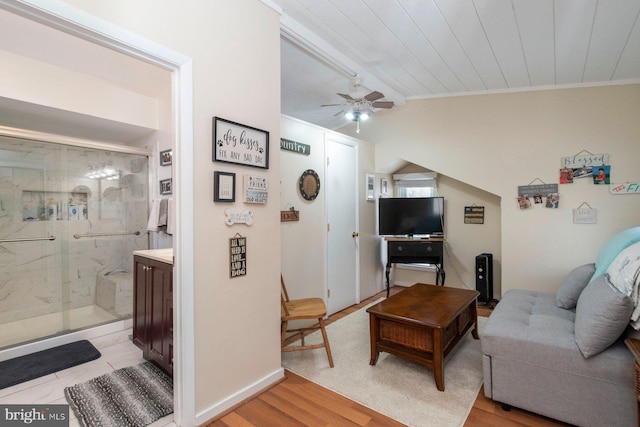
<point x="110" y="195"/>
<point x="70" y="219"/>
<point x="31" y="298"/>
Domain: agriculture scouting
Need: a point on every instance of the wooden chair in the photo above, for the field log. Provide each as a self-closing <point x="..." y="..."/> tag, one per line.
<point x="301" y="309"/>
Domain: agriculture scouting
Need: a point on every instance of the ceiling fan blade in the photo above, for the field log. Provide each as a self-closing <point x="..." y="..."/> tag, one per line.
<point x="331" y="105"/>
<point x="338" y="113"/>
<point x="345" y="96"/>
<point x="382" y="104"/>
<point x="374" y="96"/>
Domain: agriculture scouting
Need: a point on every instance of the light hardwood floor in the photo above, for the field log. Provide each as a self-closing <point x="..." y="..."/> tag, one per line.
<point x="298" y="402"/>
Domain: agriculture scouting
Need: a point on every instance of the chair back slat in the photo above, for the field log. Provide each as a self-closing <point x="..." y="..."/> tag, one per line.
<point x="284" y="297"/>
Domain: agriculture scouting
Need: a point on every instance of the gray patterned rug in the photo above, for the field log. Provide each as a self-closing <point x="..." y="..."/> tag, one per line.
<point x="130" y="397"/>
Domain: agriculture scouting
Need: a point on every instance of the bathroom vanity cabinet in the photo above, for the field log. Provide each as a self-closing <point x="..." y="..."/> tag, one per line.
<point x="153" y="307"/>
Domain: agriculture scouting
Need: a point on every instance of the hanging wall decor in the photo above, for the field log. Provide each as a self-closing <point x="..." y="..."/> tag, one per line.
<point x="370" y="190"/>
<point x="384" y="187"/>
<point x="166" y="158"/>
<point x="237" y="256"/>
<point x="224" y="186"/>
<point x="296" y="147"/>
<point x="256" y="189"/>
<point x="309" y="184"/>
<point x="584" y="165"/>
<point x="240" y="144"/>
<point x="166" y="186"/>
<point x="291" y="215"/>
<point x="582" y="215"/>
<point x="537" y="192"/>
<point x="474" y="214"/>
<point x="234" y="216"/>
<point x="626" y="188"/>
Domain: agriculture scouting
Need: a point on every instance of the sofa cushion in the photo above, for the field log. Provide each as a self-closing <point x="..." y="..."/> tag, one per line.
<point x="612" y="248"/>
<point x="529" y="327"/>
<point x="572" y="287"/>
<point x="602" y="315"/>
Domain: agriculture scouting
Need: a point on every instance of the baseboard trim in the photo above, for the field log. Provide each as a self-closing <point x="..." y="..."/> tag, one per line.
<point x="246" y="393"/>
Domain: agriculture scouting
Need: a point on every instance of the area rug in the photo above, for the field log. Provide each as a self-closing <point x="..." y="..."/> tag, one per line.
<point x="130" y="397"/>
<point x="25" y="368"/>
<point x="402" y="390"/>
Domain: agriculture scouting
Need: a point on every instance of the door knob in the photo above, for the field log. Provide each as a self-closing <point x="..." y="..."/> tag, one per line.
<point x="354" y="234"/>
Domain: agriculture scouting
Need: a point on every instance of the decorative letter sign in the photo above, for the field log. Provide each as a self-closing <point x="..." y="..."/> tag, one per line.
<point x="584" y="216"/>
<point x="240" y="144"/>
<point x="627" y="188"/>
<point x="255" y="189"/>
<point x="237" y="256"/>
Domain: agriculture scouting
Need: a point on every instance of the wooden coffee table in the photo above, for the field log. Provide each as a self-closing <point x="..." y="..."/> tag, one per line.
<point x="423" y="324"/>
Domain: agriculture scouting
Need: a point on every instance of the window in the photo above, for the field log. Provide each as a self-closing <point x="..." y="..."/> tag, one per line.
<point x="416" y="184"/>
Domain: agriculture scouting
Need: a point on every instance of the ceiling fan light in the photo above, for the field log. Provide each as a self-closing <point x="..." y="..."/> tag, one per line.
<point x="364" y="116"/>
<point x="349" y="115"/>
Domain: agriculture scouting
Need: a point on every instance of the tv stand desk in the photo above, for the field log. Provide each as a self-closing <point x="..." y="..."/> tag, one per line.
<point x="402" y="250"/>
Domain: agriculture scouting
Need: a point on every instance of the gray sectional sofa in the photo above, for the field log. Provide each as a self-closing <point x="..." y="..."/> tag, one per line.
<point x="563" y="355"/>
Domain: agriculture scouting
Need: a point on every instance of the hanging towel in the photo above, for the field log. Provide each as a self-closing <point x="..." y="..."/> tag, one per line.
<point x="154" y="216"/>
<point x="162" y="213"/>
<point x="171" y="216"/>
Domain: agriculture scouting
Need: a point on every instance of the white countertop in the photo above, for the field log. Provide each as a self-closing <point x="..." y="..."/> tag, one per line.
<point x="162" y="255"/>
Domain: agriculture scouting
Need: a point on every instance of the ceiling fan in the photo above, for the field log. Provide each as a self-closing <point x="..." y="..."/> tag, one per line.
<point x="360" y="106"/>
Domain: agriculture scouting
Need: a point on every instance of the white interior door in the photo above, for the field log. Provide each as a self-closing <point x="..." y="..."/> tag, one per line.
<point x="342" y="240"/>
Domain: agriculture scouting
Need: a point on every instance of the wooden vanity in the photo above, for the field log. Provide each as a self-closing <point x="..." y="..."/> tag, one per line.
<point x="153" y="306"/>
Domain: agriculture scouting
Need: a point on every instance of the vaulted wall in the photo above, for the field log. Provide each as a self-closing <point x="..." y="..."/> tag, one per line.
<point x="499" y="142"/>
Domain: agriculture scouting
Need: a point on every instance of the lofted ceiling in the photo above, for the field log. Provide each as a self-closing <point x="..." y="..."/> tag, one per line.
<point x="413" y="49"/>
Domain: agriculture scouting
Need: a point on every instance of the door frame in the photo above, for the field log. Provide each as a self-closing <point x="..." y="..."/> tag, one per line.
<point x="80" y="24"/>
<point x="333" y="137"/>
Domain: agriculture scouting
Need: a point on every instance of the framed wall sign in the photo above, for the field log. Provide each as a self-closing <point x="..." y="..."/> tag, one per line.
<point x="240" y="144"/>
<point x="166" y="186"/>
<point x="237" y="256"/>
<point x="224" y="187"/>
<point x="256" y="189"/>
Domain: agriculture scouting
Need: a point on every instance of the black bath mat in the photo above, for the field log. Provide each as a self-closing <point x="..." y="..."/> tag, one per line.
<point x="45" y="362"/>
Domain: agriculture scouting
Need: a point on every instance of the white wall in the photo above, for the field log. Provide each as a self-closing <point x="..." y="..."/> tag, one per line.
<point x="498" y="142"/>
<point x="304" y="242"/>
<point x="235" y="47"/>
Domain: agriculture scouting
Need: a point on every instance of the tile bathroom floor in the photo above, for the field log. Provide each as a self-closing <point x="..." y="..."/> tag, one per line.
<point x="117" y="352"/>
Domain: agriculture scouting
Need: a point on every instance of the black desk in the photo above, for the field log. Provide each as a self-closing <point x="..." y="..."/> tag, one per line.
<point x="415" y="251"/>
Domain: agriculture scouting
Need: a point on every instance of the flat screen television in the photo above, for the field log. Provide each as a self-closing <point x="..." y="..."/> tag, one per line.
<point x="419" y="216"/>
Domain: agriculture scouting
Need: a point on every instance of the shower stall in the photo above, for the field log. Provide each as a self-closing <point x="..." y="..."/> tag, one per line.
<point x="70" y="218"/>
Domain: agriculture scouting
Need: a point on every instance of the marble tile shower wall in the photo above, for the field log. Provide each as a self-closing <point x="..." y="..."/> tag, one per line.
<point x="40" y="184"/>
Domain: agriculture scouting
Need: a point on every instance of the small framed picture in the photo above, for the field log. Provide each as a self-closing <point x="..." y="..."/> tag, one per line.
<point x="166" y="186"/>
<point x="165" y="157"/>
<point x="224" y="187"/>
<point x="370" y="191"/>
<point x="384" y="187"/>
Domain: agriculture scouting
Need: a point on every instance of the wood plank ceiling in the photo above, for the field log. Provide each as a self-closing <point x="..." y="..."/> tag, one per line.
<point x="411" y="49"/>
